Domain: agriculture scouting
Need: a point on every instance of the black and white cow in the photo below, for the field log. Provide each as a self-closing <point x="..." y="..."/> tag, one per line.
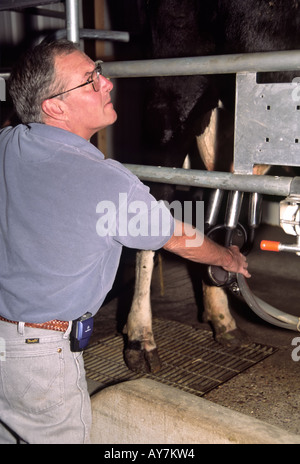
<point x="183" y="112"/>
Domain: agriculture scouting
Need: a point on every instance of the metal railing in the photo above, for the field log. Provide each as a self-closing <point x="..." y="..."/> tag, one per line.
<point x="268" y="185"/>
<point x="218" y="64"/>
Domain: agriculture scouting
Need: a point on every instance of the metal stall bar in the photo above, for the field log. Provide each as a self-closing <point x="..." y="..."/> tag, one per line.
<point x="14" y="4"/>
<point x="268" y="185"/>
<point x="74" y="34"/>
<point x="72" y="20"/>
<point x="219" y="64"/>
<point x="43" y="12"/>
<point x="94" y="34"/>
<point x="71" y="7"/>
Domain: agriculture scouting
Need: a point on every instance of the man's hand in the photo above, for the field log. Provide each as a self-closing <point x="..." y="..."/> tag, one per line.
<point x="238" y="262"/>
<point x="209" y="252"/>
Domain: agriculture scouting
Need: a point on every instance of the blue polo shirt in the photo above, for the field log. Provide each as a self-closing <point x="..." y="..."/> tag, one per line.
<point x="65" y="214"/>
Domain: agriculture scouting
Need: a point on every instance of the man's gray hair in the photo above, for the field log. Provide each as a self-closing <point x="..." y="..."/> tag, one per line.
<point x="33" y="79"/>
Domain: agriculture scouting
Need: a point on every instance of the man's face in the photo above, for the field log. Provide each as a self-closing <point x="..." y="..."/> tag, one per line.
<point x="87" y="111"/>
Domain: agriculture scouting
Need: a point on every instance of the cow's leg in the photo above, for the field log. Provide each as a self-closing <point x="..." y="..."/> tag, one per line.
<point x="141" y="353"/>
<point x="215" y="301"/>
<point x="217" y="313"/>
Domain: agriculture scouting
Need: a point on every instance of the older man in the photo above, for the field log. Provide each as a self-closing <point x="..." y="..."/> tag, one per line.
<point x="56" y="268"/>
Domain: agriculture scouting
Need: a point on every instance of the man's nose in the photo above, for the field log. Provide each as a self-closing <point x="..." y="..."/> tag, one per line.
<point x="106" y="83"/>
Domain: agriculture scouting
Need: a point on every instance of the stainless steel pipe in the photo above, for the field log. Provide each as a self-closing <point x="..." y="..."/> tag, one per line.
<point x="219" y="64"/>
<point x="268" y="185"/>
<point x="72" y="20"/>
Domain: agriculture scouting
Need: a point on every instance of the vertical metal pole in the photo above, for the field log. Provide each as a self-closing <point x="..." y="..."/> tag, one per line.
<point x="72" y="20"/>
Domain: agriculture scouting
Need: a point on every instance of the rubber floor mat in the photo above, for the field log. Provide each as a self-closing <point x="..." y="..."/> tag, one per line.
<point x="191" y="359"/>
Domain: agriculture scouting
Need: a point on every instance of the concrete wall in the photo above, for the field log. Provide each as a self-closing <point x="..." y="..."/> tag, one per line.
<point x="147" y="412"/>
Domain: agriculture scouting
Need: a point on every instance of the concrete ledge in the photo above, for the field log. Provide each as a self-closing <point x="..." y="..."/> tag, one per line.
<point x="147" y="412"/>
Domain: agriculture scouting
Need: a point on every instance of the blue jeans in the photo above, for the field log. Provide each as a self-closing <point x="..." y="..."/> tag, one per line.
<point x="43" y="390"/>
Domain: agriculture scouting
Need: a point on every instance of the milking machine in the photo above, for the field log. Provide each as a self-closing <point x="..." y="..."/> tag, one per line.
<point x="233" y="233"/>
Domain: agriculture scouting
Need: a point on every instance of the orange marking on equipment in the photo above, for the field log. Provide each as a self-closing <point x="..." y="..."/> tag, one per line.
<point x="269" y="245"/>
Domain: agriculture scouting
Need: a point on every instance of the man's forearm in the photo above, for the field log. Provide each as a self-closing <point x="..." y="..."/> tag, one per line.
<point x="208" y="252"/>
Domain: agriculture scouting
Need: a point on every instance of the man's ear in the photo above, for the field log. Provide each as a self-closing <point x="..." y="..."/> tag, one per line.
<point x="54" y="109"/>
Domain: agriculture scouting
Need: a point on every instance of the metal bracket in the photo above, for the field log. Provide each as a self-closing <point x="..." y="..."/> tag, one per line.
<point x="267" y="124"/>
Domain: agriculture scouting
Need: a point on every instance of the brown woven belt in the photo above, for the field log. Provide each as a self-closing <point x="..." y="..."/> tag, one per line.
<point x="58" y="326"/>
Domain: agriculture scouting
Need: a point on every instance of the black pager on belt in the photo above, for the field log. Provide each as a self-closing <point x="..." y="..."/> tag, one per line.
<point x="82" y="329"/>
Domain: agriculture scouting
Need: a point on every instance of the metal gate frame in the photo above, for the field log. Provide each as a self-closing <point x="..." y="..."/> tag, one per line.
<point x="72" y="31"/>
<point x="224" y="64"/>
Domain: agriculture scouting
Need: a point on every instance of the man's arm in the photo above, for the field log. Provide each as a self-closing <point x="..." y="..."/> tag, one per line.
<point x="208" y="252"/>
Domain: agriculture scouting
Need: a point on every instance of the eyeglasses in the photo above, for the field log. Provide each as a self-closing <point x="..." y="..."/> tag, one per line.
<point x="94" y="80"/>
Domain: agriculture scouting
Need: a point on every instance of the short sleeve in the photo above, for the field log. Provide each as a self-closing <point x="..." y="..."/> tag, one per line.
<point x="136" y="219"/>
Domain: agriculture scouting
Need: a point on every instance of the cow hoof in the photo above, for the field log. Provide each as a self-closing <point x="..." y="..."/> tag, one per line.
<point x="140" y="360"/>
<point x="233" y="338"/>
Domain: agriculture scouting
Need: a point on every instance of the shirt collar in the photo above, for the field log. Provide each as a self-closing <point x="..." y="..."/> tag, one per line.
<point x="63" y="136"/>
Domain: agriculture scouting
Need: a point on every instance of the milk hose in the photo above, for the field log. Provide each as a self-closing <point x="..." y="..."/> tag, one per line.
<point x="265" y="311"/>
<point x="262" y="309"/>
